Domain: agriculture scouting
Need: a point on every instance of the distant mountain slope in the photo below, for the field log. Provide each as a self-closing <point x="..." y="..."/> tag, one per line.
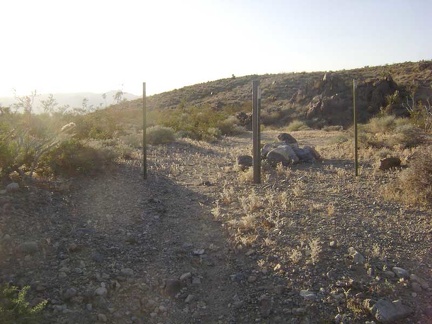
<point x="75" y="100"/>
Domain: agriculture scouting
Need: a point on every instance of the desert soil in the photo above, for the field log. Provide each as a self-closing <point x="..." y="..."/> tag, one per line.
<point x="197" y="243"/>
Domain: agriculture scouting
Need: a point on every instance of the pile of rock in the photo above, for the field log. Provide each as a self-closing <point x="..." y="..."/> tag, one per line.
<point x="286" y="151"/>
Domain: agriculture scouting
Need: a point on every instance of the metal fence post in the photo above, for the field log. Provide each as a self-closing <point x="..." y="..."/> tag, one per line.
<point x="256" y="101"/>
<point x="355" y="129"/>
<point x="144" y="132"/>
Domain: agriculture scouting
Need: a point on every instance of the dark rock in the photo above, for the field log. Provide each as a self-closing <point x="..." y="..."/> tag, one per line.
<point x="386" y="311"/>
<point x="172" y="287"/>
<point x="282" y="154"/>
<point x="12" y="187"/>
<point x="287" y="139"/>
<point x="390" y="163"/>
<point x="244" y="161"/>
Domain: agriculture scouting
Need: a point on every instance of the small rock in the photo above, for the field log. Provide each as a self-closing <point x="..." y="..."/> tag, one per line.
<point x="252" y="278"/>
<point x="196" y="281"/>
<point x="389" y="274"/>
<point x="62" y="275"/>
<point x="89" y="307"/>
<point x="198" y="252"/>
<point x="101" y="291"/>
<point x="73" y="247"/>
<point x="29" y="247"/>
<point x="189" y="298"/>
<point x="400" y="272"/>
<point x="416" y="287"/>
<point x="265" y="305"/>
<point x="186" y="276"/>
<point x="244" y="161"/>
<point x="333" y="244"/>
<point x="172" y="287"/>
<point x="69" y="293"/>
<point x="386" y="311"/>
<point x="12" y="187"/>
<point x="102" y="318"/>
<point x="127" y="272"/>
<point x="6" y="238"/>
<point x="358" y="258"/>
<point x="250" y="252"/>
<point x="423" y="283"/>
<point x="308" y="295"/>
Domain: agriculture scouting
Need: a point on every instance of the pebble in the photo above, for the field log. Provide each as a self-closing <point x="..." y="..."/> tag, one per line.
<point x="101" y="291"/>
<point x="389" y="274"/>
<point x="423" y="283"/>
<point x="416" y="287"/>
<point x="252" y="278"/>
<point x="358" y="258"/>
<point x="196" y="281"/>
<point x="69" y="293"/>
<point x="189" y="298"/>
<point x="102" y="318"/>
<point x="172" y="287"/>
<point x="89" y="307"/>
<point x="6" y="238"/>
<point x="186" y="276"/>
<point x="29" y="247"/>
<point x="11" y="187"/>
<point x="308" y="295"/>
<point x="127" y="272"/>
<point x="400" y="272"/>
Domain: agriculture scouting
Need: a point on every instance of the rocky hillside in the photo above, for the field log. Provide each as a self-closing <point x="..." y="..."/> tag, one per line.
<point x="321" y="98"/>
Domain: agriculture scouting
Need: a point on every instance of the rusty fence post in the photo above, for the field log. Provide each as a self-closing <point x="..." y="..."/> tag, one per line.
<point x="256" y="130"/>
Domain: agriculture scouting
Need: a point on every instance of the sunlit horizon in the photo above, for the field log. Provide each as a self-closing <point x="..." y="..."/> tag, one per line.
<point x="100" y="46"/>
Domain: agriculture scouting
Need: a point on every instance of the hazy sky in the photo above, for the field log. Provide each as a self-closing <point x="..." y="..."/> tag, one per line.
<point x="88" y="45"/>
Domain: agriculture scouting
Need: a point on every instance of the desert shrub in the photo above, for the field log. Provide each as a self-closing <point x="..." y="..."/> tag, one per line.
<point x="382" y="124"/>
<point x="132" y="140"/>
<point x="26" y="140"/>
<point x="414" y="184"/>
<point x="73" y="157"/>
<point x="197" y="122"/>
<point x="332" y="128"/>
<point x="160" y="135"/>
<point x="229" y="126"/>
<point x="15" y="309"/>
<point x="296" y="125"/>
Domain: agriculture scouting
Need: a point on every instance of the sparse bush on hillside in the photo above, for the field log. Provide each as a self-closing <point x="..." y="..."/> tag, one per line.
<point x="389" y="132"/>
<point x="414" y="185"/>
<point x="296" y="125"/>
<point x="160" y="135"/>
<point x="15" y="309"/>
<point x="199" y="123"/>
<point x="73" y="157"/>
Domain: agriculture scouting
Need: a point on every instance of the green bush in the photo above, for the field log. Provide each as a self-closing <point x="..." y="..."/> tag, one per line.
<point x="382" y="124"/>
<point x="199" y="123"/>
<point x="73" y="157"/>
<point x="159" y="135"/>
<point x="15" y="309"/>
<point x="296" y="125"/>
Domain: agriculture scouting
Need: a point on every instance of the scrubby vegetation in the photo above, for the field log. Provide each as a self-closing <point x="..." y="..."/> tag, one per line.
<point x="14" y="308"/>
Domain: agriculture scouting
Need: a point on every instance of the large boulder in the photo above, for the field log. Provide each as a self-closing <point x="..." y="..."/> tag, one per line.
<point x="282" y="154"/>
<point x="307" y="154"/>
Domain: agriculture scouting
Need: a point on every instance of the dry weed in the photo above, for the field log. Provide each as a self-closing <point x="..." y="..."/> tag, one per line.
<point x="315" y="250"/>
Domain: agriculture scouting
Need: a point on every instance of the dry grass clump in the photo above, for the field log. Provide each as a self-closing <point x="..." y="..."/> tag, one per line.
<point x="160" y="135"/>
<point x="297" y="125"/>
<point x="414" y="185"/>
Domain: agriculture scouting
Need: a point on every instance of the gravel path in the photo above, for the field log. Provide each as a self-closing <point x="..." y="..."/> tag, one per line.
<point x="194" y="243"/>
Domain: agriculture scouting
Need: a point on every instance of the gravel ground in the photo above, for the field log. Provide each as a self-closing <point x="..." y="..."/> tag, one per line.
<point x="197" y="243"/>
